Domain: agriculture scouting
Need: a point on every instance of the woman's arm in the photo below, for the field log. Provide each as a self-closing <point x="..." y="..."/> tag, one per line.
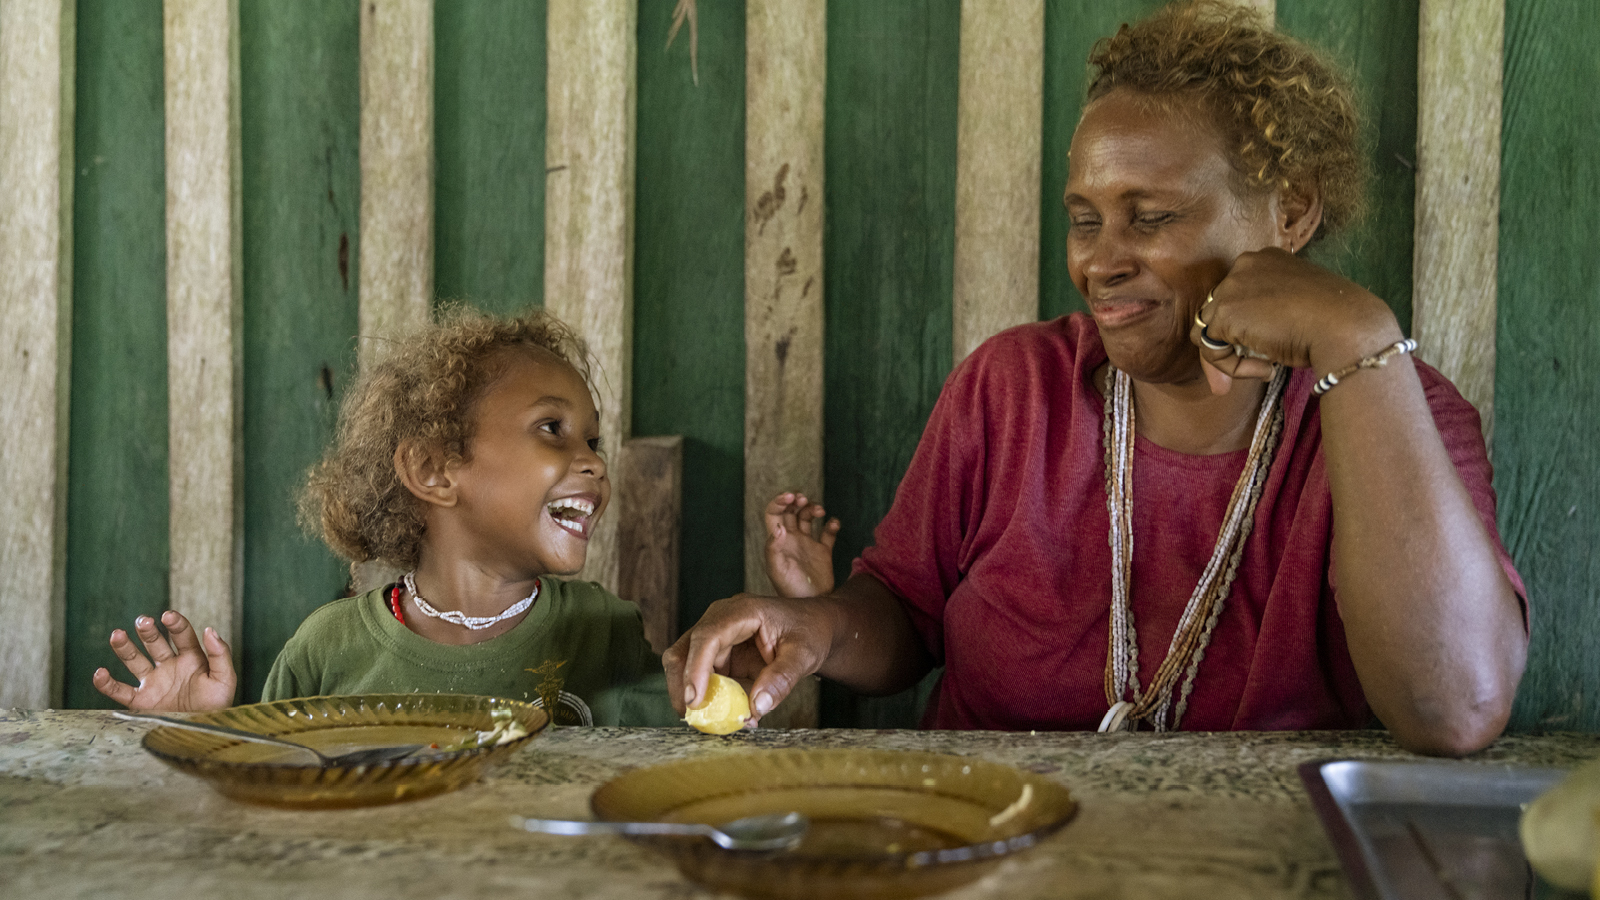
<point x="1434" y="627"/>
<point x="859" y="636"/>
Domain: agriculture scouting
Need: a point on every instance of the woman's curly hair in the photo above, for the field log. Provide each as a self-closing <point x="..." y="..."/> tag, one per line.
<point x="1289" y="118"/>
<point x="423" y="391"/>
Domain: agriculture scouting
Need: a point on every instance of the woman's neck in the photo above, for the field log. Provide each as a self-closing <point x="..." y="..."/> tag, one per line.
<point x="1186" y="417"/>
<point x="470" y="589"/>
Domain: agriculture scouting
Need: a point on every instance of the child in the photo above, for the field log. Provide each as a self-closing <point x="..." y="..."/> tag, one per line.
<point x="469" y="456"/>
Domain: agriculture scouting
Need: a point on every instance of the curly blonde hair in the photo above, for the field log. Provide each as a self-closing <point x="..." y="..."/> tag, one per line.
<point x="422" y="390"/>
<point x="1288" y="117"/>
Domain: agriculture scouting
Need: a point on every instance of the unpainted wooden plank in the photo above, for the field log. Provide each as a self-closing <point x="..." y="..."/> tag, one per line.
<point x="998" y="137"/>
<point x="1459" y="63"/>
<point x="36" y="118"/>
<point x="396" y="169"/>
<point x="300" y="86"/>
<point x="647" y="540"/>
<point x="203" y="328"/>
<point x="588" y="275"/>
<point x="785" y="81"/>
<point x="489" y="114"/>
<point x="1546" y="408"/>
<point x="688" y="303"/>
<point x="117" y="523"/>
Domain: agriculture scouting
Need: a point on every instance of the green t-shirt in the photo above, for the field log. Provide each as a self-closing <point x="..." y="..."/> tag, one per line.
<point x="579" y="652"/>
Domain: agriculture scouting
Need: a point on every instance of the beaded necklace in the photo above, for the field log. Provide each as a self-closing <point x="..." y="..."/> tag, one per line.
<point x="1200" y="615"/>
<point x="457" y="617"/>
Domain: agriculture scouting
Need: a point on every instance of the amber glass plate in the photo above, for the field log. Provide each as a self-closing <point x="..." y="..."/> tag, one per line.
<point x="280" y="776"/>
<point x="883" y="823"/>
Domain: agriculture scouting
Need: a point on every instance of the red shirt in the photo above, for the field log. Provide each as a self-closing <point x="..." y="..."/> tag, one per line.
<point x="998" y="544"/>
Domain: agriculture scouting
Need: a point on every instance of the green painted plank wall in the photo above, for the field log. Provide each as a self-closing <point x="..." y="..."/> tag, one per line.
<point x="890" y="159"/>
<point x="489" y="129"/>
<point x="300" y="104"/>
<point x="1375" y="42"/>
<point x="117" y="495"/>
<point x="1547" y="411"/>
<point x="688" y="331"/>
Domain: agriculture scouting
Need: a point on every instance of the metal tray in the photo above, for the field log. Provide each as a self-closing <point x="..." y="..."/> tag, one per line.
<point x="1419" y="830"/>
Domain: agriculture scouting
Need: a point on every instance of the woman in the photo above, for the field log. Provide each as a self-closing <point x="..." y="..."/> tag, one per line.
<point x="1226" y="498"/>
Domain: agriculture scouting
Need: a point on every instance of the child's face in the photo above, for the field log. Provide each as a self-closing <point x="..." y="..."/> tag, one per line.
<point x="533" y="484"/>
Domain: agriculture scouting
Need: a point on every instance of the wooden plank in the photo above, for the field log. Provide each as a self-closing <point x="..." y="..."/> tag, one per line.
<point x="648" y="539"/>
<point x="1546" y="408"/>
<point x="396" y="168"/>
<point x="489" y="124"/>
<point x="688" y="375"/>
<point x="785" y="80"/>
<point x="1375" y="43"/>
<point x="893" y="84"/>
<point x="203" y="267"/>
<point x="588" y="276"/>
<point x="1459" y="64"/>
<point x="36" y="118"/>
<point x="300" y="85"/>
<point x="117" y="523"/>
<point x="996" y="268"/>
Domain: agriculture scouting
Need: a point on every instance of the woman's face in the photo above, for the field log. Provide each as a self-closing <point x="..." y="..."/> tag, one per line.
<point x="1155" y="224"/>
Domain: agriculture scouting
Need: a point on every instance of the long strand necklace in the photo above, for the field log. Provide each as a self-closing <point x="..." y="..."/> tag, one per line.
<point x="1200" y="615"/>
<point x="457" y="617"/>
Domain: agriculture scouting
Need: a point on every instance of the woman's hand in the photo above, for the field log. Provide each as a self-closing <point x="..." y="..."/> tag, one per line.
<point x="183" y="676"/>
<point x="773" y="641"/>
<point x="1274" y="307"/>
<point x="859" y="636"/>
<point x="799" y="553"/>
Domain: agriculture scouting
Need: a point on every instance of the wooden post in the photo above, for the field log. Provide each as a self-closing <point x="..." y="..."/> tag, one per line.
<point x="201" y="49"/>
<point x="998" y="144"/>
<point x="37" y="41"/>
<point x="396" y="265"/>
<point x="647" y="540"/>
<point x="588" y="275"/>
<point x="1458" y="193"/>
<point x="785" y="78"/>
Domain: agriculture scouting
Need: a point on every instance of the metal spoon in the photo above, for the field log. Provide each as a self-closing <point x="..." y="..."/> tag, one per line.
<point x="778" y="831"/>
<point x="367" y="757"/>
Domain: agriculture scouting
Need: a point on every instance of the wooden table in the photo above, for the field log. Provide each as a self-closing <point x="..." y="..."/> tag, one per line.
<point x="84" y="812"/>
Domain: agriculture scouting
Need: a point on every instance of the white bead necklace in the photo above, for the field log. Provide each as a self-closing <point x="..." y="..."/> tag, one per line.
<point x="1193" y="634"/>
<point x="456" y="617"/>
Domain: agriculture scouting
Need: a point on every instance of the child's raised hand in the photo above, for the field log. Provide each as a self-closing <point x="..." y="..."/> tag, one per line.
<point x="181" y="677"/>
<point x="799" y="553"/>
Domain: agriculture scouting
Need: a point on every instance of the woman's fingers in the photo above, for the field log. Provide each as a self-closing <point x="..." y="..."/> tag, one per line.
<point x="184" y="640"/>
<point x="116" y="690"/>
<point x="123" y="647"/>
<point x="219" y="657"/>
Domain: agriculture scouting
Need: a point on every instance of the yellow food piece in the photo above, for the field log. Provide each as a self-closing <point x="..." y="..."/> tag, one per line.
<point x="1561" y="829"/>
<point x="723" y="709"/>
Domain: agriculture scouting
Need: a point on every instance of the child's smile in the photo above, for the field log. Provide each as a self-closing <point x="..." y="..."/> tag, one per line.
<point x="534" y="449"/>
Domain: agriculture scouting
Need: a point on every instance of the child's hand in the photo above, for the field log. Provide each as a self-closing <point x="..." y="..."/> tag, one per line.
<point x="799" y="554"/>
<point x="191" y="679"/>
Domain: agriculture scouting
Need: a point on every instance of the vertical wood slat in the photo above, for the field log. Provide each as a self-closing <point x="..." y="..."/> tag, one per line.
<point x="785" y="80"/>
<point x="998" y="146"/>
<point x="36" y="117"/>
<point x="588" y="275"/>
<point x="1459" y="72"/>
<point x="201" y="56"/>
<point x="647" y="539"/>
<point x="396" y="256"/>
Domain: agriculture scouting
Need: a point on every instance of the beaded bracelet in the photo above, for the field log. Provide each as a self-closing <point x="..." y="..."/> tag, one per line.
<point x="1377" y="361"/>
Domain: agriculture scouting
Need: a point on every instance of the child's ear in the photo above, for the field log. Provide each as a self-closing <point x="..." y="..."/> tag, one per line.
<point x="424" y="472"/>
<point x="1299" y="214"/>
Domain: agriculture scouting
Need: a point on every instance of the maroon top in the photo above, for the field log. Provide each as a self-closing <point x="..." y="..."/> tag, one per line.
<point x="998" y="543"/>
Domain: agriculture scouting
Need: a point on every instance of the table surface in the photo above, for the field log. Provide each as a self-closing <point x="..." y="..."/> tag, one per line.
<point x="85" y="812"/>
